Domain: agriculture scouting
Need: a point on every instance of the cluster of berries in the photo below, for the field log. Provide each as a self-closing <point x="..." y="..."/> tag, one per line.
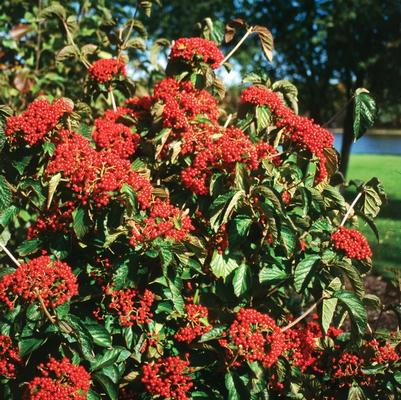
<point x="164" y="221"/>
<point x="95" y="175"/>
<point x="231" y="146"/>
<point x="255" y="337"/>
<point x="352" y="242"/>
<point x="301" y="131"/>
<point x="104" y="70"/>
<point x="52" y="281"/>
<point x="37" y="120"/>
<point x="168" y="377"/>
<point x="197" y="323"/>
<point x="195" y="50"/>
<point x="9" y="357"/>
<point x="131" y="307"/>
<point x="59" y="380"/>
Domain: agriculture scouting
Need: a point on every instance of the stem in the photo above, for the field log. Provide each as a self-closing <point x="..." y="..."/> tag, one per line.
<point x="237" y="46"/>
<point x="227" y="121"/>
<point x="301" y="317"/>
<point x="113" y="101"/>
<point x="38" y="40"/>
<point x="351" y="207"/>
<point x="70" y="40"/>
<point x="44" y="308"/>
<point x="8" y="252"/>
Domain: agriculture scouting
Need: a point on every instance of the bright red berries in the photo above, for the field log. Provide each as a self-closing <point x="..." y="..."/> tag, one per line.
<point x="9" y="357"/>
<point x="53" y="281"/>
<point x="256" y="337"/>
<point x="131" y="307"/>
<point x="165" y="221"/>
<point x="298" y="130"/>
<point x="37" y="120"/>
<point x="352" y="242"/>
<point x="168" y="377"/>
<point x="195" y="50"/>
<point x="59" y="380"/>
<point x="106" y="69"/>
<point x="197" y="323"/>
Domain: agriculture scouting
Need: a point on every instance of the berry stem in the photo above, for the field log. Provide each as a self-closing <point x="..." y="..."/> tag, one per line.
<point x="237" y="46"/>
<point x="351" y="207"/>
<point x="44" y="308"/>
<point x="113" y="100"/>
<point x="301" y="317"/>
<point x="8" y="252"/>
<point x="228" y="120"/>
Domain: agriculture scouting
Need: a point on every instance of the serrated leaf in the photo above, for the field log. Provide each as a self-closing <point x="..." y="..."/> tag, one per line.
<point x="356" y="393"/>
<point x="29" y="344"/>
<point x="288" y="91"/>
<point x="242" y="280"/>
<point x="80" y="222"/>
<point x="5" y="194"/>
<point x="66" y="52"/>
<point x="303" y="271"/>
<point x="215" y="333"/>
<point x="109" y="357"/>
<point x="288" y="239"/>
<point x="157" y="46"/>
<point x="230" y="386"/>
<point x="262" y="117"/>
<point x="110" y="388"/>
<point x="266" y="40"/>
<point x="372" y="198"/>
<point x="365" y="112"/>
<point x="88" y="49"/>
<point x="53" y="183"/>
<point x="328" y="309"/>
<point x="99" y="334"/>
<point x="231" y="28"/>
<point x="352" y="273"/>
<point x="222" y="265"/>
<point x="136" y="43"/>
<point x="242" y="224"/>
<point x="271" y="274"/>
<point x="355" y="308"/>
<point x="269" y="194"/>
<point x="54" y="9"/>
<point x="29" y="247"/>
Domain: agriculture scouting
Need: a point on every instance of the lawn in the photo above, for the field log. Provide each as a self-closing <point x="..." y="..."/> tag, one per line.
<point x="387" y="254"/>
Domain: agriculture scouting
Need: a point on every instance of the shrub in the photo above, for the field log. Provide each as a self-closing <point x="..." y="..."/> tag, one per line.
<point x="167" y="250"/>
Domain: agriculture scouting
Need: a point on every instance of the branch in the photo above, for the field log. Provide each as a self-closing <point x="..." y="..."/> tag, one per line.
<point x="113" y="101"/>
<point x="8" y="252"/>
<point x="350" y="209"/>
<point x="44" y="308"/>
<point x="301" y="317"/>
<point x="237" y="46"/>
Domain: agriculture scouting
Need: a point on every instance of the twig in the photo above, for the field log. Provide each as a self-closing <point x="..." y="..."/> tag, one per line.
<point x="71" y="41"/>
<point x="227" y="121"/>
<point x="237" y="46"/>
<point x="301" y="317"/>
<point x="351" y="207"/>
<point x="38" y="40"/>
<point x="8" y="252"/>
<point x="113" y="100"/>
<point x="44" y="308"/>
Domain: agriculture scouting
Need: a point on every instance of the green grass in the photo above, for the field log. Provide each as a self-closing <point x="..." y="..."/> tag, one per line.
<point x="387" y="254"/>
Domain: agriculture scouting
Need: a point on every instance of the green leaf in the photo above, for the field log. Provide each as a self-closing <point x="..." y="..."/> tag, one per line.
<point x="53" y="183"/>
<point x="176" y="296"/>
<point x="271" y="274"/>
<point x="65" y="53"/>
<point x="269" y="194"/>
<point x="29" y="344"/>
<point x="29" y="247"/>
<point x="92" y="395"/>
<point x="216" y="332"/>
<point x="372" y="198"/>
<point x="355" y="308"/>
<point x="328" y="309"/>
<point x="157" y="46"/>
<point x="54" y="9"/>
<point x="262" y="117"/>
<point x="110" y="388"/>
<point x="242" y="280"/>
<point x="356" y="393"/>
<point x="365" y="112"/>
<point x="80" y="222"/>
<point x="5" y="194"/>
<point x="99" y="333"/>
<point x="222" y="265"/>
<point x="351" y="272"/>
<point x="242" y="224"/>
<point x="288" y="239"/>
<point x="303" y="271"/>
<point x="288" y="91"/>
<point x="109" y="357"/>
<point x="230" y="386"/>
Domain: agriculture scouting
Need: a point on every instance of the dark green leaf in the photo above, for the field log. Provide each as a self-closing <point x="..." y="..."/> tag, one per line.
<point x="80" y="222"/>
<point x="242" y="280"/>
<point x="230" y="386"/>
<point x="271" y="274"/>
<point x="365" y="112"/>
<point x="303" y="271"/>
<point x="222" y="265"/>
<point x="110" y="388"/>
<point x="5" y="194"/>
<point x="328" y="309"/>
<point x="29" y="247"/>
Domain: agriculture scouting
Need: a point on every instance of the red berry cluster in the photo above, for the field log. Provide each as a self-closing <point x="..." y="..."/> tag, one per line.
<point x="9" y="357"/>
<point x="139" y="107"/>
<point x="37" y="120"/>
<point x="299" y="130"/>
<point x="132" y="307"/>
<point x="168" y="377"/>
<point x="59" y="380"/>
<point x="222" y="154"/>
<point x="257" y="337"/>
<point x="197" y="323"/>
<point x="381" y="354"/>
<point x="52" y="280"/>
<point x="220" y="240"/>
<point x="127" y="394"/>
<point x="164" y="221"/>
<point x="182" y="104"/>
<point x="95" y="175"/>
<point x="346" y="368"/>
<point x="115" y="137"/>
<point x="352" y="242"/>
<point x="195" y="49"/>
<point x="56" y="219"/>
<point x="104" y="70"/>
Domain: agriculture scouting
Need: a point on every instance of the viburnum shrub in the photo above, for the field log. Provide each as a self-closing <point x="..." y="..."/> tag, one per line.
<point x="156" y="247"/>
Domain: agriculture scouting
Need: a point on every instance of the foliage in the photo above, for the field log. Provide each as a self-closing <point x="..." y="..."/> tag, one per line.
<point x="167" y="250"/>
